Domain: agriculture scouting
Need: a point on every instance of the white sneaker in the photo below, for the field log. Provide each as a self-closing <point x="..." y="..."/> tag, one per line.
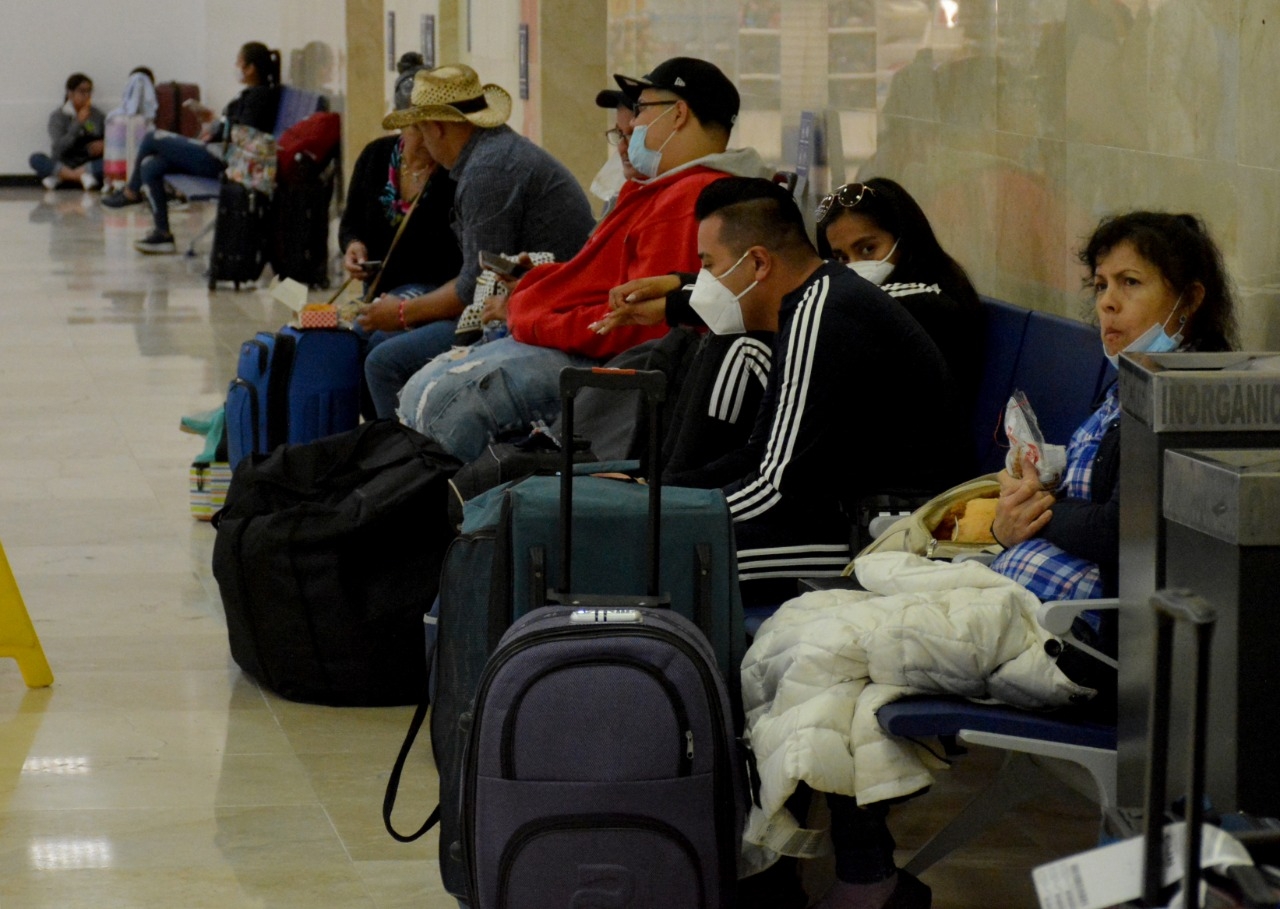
<point x="50" y="182"/>
<point x="88" y="181"/>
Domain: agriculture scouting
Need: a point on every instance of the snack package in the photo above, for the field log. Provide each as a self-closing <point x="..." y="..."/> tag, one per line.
<point x="1026" y="441"/>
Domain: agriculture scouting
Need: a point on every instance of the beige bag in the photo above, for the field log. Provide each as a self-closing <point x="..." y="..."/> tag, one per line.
<point x="915" y="532"/>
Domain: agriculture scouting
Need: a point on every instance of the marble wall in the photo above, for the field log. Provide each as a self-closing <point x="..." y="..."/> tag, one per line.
<point x="1018" y="125"/>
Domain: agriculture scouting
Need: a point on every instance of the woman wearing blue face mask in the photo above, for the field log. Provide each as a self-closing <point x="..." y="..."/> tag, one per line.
<point x="1158" y="284"/>
<point x="880" y="232"/>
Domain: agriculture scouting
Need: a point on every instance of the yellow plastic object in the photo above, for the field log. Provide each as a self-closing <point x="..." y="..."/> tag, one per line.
<point x="17" y="634"/>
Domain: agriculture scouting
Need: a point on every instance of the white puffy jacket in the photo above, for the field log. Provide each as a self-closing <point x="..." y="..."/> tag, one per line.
<point x="822" y="666"/>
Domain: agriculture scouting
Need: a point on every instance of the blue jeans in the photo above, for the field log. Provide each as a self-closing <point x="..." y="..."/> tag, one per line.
<point x="170" y="154"/>
<point x="44" y="166"/>
<point x="392" y="357"/>
<point x="463" y="402"/>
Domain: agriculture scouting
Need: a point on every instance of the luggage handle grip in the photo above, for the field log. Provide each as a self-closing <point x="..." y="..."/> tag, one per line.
<point x="652" y="384"/>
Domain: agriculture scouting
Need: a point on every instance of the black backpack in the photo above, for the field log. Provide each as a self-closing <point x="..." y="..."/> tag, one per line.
<point x="328" y="556"/>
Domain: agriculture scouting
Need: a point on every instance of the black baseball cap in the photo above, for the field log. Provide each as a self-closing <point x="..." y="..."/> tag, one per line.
<point x="701" y="85"/>
<point x="610" y="99"/>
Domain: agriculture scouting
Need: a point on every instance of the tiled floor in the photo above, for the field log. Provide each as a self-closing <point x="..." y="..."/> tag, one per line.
<point x="152" y="773"/>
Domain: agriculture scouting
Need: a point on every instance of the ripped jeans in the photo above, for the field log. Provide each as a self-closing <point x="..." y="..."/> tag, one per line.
<point x="464" y="400"/>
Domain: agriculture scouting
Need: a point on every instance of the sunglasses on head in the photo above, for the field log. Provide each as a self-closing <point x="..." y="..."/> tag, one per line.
<point x="848" y="196"/>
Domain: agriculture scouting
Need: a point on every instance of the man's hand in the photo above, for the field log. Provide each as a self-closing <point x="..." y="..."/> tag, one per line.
<point x="383" y="314"/>
<point x="1023" y="509"/>
<point x="639" y="302"/>
<point x="494" y="309"/>
<point x="96" y="148"/>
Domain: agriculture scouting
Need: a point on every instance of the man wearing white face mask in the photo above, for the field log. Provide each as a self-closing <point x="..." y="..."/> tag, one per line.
<point x="829" y="429"/>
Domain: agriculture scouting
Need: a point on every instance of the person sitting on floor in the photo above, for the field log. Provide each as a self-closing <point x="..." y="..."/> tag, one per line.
<point x="76" y="131"/>
<point x="685" y="109"/>
<point x="158" y="155"/>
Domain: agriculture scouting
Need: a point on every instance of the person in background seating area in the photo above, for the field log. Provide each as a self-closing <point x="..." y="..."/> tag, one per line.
<point x="76" y="132"/>
<point x="389" y="175"/>
<point x="510" y="196"/>
<point x="878" y="230"/>
<point x="617" y="170"/>
<point x="255" y="106"/>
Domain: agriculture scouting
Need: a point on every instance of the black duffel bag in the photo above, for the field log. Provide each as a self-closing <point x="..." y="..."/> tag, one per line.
<point x="328" y="556"/>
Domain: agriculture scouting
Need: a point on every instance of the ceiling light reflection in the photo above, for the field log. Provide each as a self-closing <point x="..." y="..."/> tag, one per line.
<point x="64" y="854"/>
<point x="61" y="766"/>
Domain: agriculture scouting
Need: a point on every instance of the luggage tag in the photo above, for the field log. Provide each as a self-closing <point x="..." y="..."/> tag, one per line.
<point x="1111" y="875"/>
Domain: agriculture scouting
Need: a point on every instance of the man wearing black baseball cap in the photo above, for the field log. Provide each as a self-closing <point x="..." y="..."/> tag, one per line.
<point x="701" y="85"/>
<point x="650" y="230"/>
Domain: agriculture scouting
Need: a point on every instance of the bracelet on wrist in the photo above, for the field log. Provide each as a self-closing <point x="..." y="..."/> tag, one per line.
<point x="403" y="325"/>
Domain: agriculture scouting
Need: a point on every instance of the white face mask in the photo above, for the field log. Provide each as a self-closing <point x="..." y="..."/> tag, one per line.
<point x="875" y="270"/>
<point x="609" y="179"/>
<point x="1154" y="339"/>
<point x="716" y="304"/>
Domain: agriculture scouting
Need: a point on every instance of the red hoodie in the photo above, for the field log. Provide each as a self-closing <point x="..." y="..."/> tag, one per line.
<point x="651" y="231"/>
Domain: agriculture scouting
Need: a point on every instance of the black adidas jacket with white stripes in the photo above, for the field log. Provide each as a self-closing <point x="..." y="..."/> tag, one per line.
<point x="859" y="401"/>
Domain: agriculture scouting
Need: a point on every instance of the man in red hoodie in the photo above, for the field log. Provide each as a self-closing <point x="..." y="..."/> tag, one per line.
<point x="685" y="110"/>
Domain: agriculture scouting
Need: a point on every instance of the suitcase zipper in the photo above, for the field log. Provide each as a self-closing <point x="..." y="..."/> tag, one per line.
<point x="508" y="755"/>
<point x="597" y="823"/>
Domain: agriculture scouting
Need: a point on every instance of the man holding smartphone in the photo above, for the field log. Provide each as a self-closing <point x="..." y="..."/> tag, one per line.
<point x="684" y="112"/>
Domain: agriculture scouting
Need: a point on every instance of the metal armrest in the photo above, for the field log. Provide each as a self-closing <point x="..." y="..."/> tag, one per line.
<point x="1056" y="616"/>
<point x="986" y="558"/>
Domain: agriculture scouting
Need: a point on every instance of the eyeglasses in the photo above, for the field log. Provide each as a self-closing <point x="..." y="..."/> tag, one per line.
<point x="848" y="196"/>
<point x="615" y="136"/>
<point x="638" y="107"/>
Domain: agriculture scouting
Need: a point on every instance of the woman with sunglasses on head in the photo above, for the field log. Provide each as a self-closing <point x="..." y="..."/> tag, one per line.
<point x="879" y="231"/>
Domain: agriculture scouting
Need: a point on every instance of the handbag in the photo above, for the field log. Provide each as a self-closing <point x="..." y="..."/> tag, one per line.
<point x="251" y="158"/>
<point x="918" y="532"/>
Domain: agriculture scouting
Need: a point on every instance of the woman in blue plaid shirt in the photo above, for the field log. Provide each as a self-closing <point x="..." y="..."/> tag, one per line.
<point x="1158" y="284"/>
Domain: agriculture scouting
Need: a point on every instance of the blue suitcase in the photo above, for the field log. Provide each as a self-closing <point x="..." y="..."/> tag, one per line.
<point x="291" y="387"/>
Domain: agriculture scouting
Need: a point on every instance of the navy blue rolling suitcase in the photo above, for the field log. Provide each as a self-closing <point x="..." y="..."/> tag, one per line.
<point x="292" y="386"/>
<point x="508" y="561"/>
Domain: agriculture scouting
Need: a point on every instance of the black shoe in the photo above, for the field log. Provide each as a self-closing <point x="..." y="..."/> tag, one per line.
<point x="777" y="887"/>
<point x="156" y="243"/>
<point x="118" y="199"/>
<point x="909" y="893"/>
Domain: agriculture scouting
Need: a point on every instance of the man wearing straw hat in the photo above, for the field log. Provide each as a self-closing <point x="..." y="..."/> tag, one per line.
<point x="684" y="112"/>
<point x="511" y="196"/>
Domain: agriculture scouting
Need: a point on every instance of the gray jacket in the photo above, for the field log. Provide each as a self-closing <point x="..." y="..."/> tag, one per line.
<point x="70" y="138"/>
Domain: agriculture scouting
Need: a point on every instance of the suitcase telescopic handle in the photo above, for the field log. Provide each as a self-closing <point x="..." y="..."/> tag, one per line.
<point x="652" y="384"/>
<point x="1176" y="607"/>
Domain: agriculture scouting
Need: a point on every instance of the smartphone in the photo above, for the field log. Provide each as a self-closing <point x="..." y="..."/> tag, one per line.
<point x="372" y="267"/>
<point x="508" y="268"/>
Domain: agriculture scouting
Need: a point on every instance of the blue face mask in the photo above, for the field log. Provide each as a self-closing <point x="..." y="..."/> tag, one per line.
<point x="644" y="159"/>
<point x="1154" y="339"/>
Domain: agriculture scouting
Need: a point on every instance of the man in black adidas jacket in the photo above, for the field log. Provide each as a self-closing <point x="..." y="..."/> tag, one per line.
<point x="858" y="401"/>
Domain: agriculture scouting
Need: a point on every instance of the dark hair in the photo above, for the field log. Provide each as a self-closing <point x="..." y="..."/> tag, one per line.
<point x="146" y="71"/>
<point x="264" y="60"/>
<point x="755" y="212"/>
<point x="74" y="81"/>
<point x="921" y="258"/>
<point x="409" y="60"/>
<point x="1180" y="246"/>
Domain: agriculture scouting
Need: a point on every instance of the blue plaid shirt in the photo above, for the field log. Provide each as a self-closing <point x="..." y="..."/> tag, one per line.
<point x="1046" y="570"/>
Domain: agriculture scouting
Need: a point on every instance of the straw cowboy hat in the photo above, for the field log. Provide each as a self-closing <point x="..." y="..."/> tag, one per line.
<point x="453" y="93"/>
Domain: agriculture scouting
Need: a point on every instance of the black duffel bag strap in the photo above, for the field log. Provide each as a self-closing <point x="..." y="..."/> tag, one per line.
<point x="393" y="783"/>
